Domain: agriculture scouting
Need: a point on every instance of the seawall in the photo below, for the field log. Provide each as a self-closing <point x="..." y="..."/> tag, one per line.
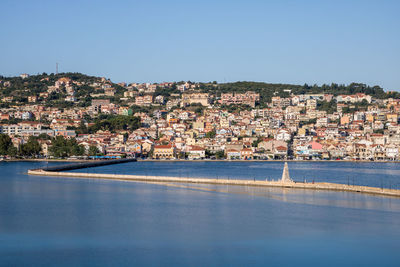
<point x="82" y="165"/>
<point x="295" y="185"/>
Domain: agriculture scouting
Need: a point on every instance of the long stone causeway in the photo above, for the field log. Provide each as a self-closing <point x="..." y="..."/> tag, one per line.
<point x="57" y="171"/>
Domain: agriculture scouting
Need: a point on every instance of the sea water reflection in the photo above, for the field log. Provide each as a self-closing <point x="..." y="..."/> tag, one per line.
<point x="46" y="221"/>
<point x="299" y="196"/>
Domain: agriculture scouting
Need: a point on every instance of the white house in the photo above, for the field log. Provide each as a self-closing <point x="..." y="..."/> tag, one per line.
<point x="283" y="135"/>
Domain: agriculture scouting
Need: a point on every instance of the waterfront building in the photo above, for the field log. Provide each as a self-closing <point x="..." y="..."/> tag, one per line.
<point x="164" y="152"/>
<point x="196" y="152"/>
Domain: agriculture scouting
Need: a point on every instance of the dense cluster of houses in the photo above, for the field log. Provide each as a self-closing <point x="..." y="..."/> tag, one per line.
<point x="289" y="128"/>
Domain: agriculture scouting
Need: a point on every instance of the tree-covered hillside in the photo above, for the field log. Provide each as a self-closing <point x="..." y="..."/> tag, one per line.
<point x="20" y="89"/>
<point x="268" y="90"/>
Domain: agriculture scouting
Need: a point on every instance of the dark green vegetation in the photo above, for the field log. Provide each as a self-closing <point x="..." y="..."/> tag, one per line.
<point x="329" y="107"/>
<point x="112" y="123"/>
<point x="268" y="90"/>
<point x="59" y="147"/>
<point x="211" y="134"/>
<point x="236" y="108"/>
<point x="166" y="92"/>
<point x="93" y="151"/>
<point x="354" y="107"/>
<point x="115" y="123"/>
<point x="62" y="147"/>
<point x="29" y="149"/>
<point x="6" y="146"/>
<point x="20" y="89"/>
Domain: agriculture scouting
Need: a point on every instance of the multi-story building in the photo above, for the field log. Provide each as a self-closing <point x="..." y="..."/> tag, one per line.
<point x="279" y="102"/>
<point x="199" y="98"/>
<point x="32" y="99"/>
<point x="164" y="152"/>
<point x="249" y="98"/>
<point x="98" y="103"/>
<point x="109" y="91"/>
<point x="145" y="100"/>
<point x="354" y="98"/>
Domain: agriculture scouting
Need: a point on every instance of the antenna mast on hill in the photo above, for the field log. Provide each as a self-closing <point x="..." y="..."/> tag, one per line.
<point x="56" y="67"/>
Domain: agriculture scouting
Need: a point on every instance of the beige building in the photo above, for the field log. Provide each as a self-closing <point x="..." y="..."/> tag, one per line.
<point x="200" y="98"/>
<point x="145" y="100"/>
<point x="164" y="152"/>
<point x="249" y="98"/>
<point x="32" y="99"/>
<point x="110" y="91"/>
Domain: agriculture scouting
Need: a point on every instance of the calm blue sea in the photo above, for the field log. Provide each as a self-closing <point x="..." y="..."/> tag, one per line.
<point x="48" y="221"/>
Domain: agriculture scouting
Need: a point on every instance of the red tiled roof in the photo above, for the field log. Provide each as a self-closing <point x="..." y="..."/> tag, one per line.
<point x="163" y="146"/>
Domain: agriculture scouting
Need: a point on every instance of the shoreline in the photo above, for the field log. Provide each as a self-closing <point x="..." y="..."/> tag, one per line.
<point x="48" y="160"/>
<point x="260" y="160"/>
<point x="189" y="160"/>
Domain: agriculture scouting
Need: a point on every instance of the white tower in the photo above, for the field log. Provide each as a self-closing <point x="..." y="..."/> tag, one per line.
<point x="285" y="174"/>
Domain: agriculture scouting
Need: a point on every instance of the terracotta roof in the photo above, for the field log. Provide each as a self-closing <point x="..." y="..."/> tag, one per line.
<point x="195" y="148"/>
<point x="163" y="146"/>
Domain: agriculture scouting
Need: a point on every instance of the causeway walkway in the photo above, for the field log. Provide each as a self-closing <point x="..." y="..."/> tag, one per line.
<point x="237" y="182"/>
<point x="83" y="165"/>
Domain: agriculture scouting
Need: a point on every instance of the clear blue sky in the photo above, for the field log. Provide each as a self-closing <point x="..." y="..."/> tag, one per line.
<point x="272" y="41"/>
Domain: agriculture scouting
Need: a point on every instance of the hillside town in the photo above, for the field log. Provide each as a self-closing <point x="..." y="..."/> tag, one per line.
<point x="64" y="117"/>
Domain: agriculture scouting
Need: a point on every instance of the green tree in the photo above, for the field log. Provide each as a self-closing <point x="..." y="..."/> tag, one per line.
<point x="256" y="142"/>
<point x="44" y="136"/>
<point x="329" y="107"/>
<point x="61" y="147"/>
<point x="12" y="151"/>
<point x="211" y="134"/>
<point x="78" y="150"/>
<point x="5" y="144"/>
<point x="209" y="153"/>
<point x="220" y="154"/>
<point x="93" y="151"/>
<point x="82" y="129"/>
<point x="115" y="122"/>
<point x="199" y="110"/>
<point x="31" y="148"/>
<point x="310" y="121"/>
